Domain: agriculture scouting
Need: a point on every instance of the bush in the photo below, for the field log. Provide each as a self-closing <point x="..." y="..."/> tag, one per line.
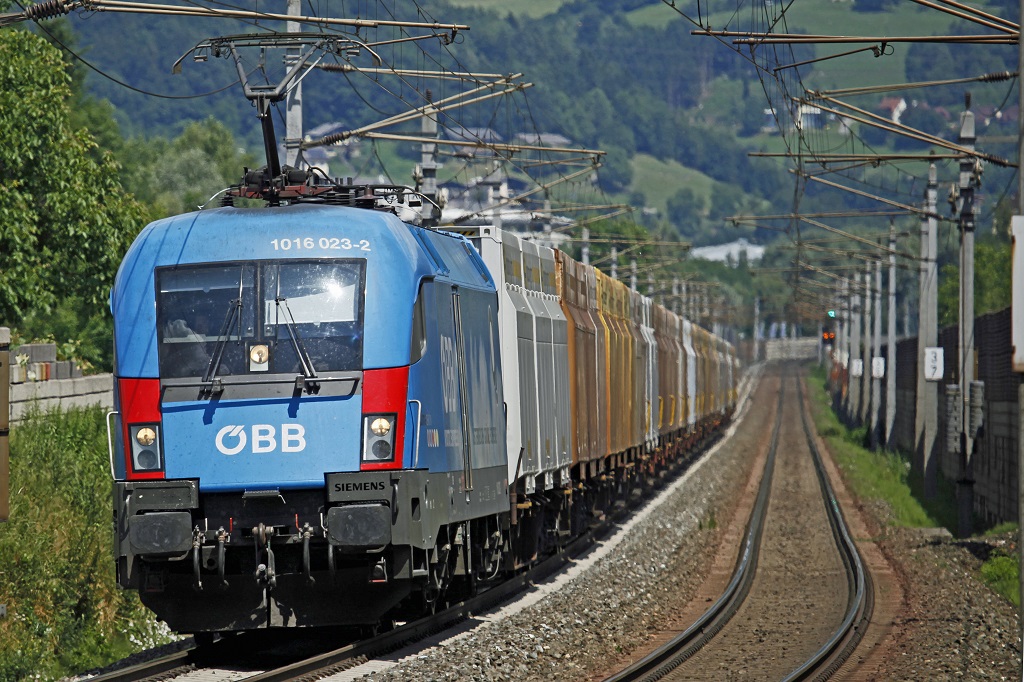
<point x="65" y="611"/>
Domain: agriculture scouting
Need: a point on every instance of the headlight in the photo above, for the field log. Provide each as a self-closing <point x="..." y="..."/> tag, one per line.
<point x="146" y="436"/>
<point x="259" y="358"/>
<point x="380" y="426"/>
<point x="146" y="451"/>
<point x="379" y="437"/>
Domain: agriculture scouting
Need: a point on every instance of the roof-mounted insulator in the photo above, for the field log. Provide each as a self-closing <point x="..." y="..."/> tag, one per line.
<point x="50" y="9"/>
<point x="998" y="76"/>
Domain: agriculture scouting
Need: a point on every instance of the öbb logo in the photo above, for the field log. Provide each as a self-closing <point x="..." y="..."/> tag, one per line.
<point x="264" y="438"/>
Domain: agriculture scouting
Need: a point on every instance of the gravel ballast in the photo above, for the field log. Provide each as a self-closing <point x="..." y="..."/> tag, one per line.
<point x="948" y="626"/>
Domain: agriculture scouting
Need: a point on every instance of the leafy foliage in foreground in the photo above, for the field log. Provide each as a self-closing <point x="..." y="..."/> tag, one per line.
<point x="65" y="222"/>
<point x="65" y="612"/>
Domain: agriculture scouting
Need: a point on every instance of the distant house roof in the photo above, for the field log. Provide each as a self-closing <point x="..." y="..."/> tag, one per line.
<point x="894" y="107"/>
<point x="543" y="139"/>
<point x="472" y="134"/>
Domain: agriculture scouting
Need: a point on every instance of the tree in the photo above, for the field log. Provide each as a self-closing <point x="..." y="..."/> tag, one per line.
<point x="685" y="210"/>
<point x="616" y="169"/>
<point x="65" y="221"/>
<point x="992" y="290"/>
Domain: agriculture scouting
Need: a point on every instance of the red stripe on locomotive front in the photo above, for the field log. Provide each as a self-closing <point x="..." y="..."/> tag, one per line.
<point x="384" y="392"/>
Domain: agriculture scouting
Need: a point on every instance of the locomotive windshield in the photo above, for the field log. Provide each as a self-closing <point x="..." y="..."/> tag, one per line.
<point x="320" y="302"/>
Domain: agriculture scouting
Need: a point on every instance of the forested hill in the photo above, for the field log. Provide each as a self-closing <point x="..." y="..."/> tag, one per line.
<point x="625" y="76"/>
<point x="600" y="80"/>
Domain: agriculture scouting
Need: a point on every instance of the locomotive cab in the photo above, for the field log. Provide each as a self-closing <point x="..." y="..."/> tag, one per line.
<point x="281" y="454"/>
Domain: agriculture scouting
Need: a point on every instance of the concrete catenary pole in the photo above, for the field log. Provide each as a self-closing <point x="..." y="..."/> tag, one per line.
<point x="843" y="342"/>
<point x="293" y="102"/>
<point x="865" y="378"/>
<point x="876" y="352"/>
<point x="855" y="356"/>
<point x="756" y="333"/>
<point x="632" y="274"/>
<point x="684" y="302"/>
<point x="585" y="251"/>
<point x="431" y="214"/>
<point x="615" y="262"/>
<point x="1020" y="387"/>
<point x="890" y="361"/>
<point x="926" y="421"/>
<point x="965" y="359"/>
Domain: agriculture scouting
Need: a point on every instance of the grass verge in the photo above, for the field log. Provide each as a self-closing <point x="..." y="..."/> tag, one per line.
<point x="885" y="476"/>
<point x="65" y="613"/>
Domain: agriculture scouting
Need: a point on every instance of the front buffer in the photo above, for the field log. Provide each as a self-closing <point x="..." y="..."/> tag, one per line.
<point x="344" y="554"/>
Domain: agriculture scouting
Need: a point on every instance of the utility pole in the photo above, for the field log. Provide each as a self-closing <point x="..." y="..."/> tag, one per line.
<point x="890" y="347"/>
<point x="926" y="422"/>
<point x="965" y="359"/>
<point x="876" y="354"/>
<point x="5" y="423"/>
<point x="293" y="102"/>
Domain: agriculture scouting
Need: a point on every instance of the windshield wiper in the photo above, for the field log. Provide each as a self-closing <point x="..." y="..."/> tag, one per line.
<point x="308" y="371"/>
<point x="234" y="310"/>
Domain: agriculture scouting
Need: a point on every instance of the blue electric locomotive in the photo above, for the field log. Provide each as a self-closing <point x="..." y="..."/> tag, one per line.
<point x="310" y="422"/>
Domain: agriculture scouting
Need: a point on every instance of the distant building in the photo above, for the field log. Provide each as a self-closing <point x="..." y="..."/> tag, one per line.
<point x="893" y="108"/>
<point x="723" y="252"/>
<point x="542" y="139"/>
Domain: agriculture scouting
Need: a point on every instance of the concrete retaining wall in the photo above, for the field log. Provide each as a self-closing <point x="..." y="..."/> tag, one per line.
<point x="791" y="349"/>
<point x="997" y="448"/>
<point x="80" y="392"/>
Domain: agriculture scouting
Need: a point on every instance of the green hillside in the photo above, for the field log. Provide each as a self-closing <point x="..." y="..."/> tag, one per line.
<point x="658" y="180"/>
<point x="527" y="8"/>
<point x="625" y="76"/>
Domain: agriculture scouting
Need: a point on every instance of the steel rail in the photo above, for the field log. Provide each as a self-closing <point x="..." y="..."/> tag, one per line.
<point x="222" y="652"/>
<point x="196" y="658"/>
<point x="355" y="653"/>
<point x="838" y="648"/>
<point x="843" y="641"/>
<point x="669" y="656"/>
<point x="164" y="666"/>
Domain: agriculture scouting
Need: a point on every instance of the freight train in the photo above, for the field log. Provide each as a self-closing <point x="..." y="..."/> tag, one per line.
<point x="328" y="416"/>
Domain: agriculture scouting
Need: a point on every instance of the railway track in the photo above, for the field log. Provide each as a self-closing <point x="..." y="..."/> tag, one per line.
<point x="252" y="657"/>
<point x="255" y="657"/>
<point x="822" y="617"/>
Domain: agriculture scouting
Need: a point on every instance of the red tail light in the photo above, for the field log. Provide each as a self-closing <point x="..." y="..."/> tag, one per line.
<point x="384" y="410"/>
<point x="141" y="428"/>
